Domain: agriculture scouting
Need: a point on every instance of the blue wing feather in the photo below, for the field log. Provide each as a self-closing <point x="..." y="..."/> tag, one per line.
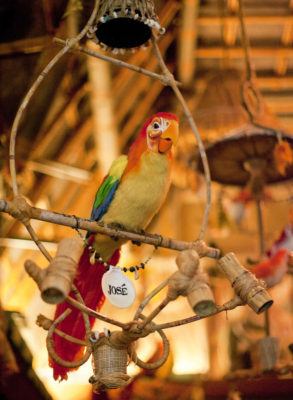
<point x="107" y="189"/>
<point x="98" y="212"/>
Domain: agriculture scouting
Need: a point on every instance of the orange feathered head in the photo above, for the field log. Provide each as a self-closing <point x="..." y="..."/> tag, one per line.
<point x="159" y="133"/>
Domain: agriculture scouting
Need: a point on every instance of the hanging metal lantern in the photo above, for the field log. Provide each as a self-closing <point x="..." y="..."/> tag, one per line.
<point x="228" y="156"/>
<point x="124" y="24"/>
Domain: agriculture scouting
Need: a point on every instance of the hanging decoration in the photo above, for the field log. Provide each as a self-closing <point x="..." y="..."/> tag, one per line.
<point x="272" y="269"/>
<point x="283" y="156"/>
<point x="117" y="288"/>
<point x="284" y="241"/>
<point x="124" y="24"/>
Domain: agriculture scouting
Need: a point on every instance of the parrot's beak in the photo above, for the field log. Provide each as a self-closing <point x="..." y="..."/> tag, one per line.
<point x="169" y="137"/>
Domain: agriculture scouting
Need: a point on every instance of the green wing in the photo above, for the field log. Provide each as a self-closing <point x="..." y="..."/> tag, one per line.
<point x="106" y="191"/>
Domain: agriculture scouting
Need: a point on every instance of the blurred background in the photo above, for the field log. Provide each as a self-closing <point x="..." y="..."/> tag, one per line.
<point x="85" y="113"/>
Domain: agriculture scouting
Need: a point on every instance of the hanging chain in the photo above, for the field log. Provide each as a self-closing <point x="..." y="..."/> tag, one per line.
<point x="249" y="92"/>
<point x="245" y="44"/>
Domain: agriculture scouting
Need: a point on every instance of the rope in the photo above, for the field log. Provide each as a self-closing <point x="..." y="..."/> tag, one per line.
<point x="245" y="288"/>
<point x="20" y="209"/>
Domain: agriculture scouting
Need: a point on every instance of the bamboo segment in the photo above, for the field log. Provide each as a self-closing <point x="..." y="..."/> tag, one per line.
<point x="201" y="298"/>
<point x="35" y="272"/>
<point x="192" y="282"/>
<point x="246" y="286"/>
<point x="61" y="271"/>
<point x="55" y="281"/>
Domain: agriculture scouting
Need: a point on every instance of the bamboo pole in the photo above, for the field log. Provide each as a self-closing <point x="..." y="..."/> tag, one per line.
<point x="81" y="223"/>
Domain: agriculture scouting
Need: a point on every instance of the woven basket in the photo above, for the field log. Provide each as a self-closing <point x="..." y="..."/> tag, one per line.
<point x="110" y="366"/>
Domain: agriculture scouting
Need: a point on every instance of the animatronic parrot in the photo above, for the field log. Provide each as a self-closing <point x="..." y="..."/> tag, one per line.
<point x="273" y="269"/>
<point x="129" y="196"/>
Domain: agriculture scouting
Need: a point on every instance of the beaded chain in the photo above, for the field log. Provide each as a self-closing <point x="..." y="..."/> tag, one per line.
<point x="96" y="257"/>
<point x="133" y="268"/>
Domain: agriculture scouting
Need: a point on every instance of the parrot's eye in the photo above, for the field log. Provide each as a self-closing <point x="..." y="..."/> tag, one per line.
<point x="156" y="125"/>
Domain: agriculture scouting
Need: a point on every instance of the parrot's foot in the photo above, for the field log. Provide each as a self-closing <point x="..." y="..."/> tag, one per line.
<point x="140" y="232"/>
<point x="117" y="227"/>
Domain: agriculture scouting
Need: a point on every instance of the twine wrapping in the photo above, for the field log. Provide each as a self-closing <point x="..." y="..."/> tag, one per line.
<point x="109" y="365"/>
<point x="20" y="209"/>
<point x="55" y="281"/>
<point x="246" y="286"/>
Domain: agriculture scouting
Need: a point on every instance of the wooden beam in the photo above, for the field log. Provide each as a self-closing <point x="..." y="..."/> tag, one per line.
<point x="187" y="41"/>
<point x="67" y="115"/>
<point x="230" y="25"/>
<point x="128" y="95"/>
<point x="60" y="170"/>
<point x="25" y="46"/>
<point x="142" y="109"/>
<point x="124" y="77"/>
<point x="279" y="103"/>
<point x="237" y="52"/>
<point x="286" y="40"/>
<point x="25" y="244"/>
<point x="272" y="82"/>
<point x="287" y="122"/>
<point x="105" y="133"/>
<point x="249" y="20"/>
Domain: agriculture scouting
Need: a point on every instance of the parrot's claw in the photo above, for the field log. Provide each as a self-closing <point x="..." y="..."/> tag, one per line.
<point x="139" y="232"/>
<point x="93" y="379"/>
<point x="136" y="243"/>
<point x="117" y="227"/>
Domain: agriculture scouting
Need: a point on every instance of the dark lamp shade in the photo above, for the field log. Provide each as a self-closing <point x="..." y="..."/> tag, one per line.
<point x="124" y="24"/>
<point x="227" y="156"/>
<point x="123" y="33"/>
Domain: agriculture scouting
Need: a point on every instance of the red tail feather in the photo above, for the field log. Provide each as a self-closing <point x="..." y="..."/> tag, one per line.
<point x="88" y="282"/>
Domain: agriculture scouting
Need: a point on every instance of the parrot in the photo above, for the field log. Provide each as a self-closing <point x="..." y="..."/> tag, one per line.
<point x="128" y="197"/>
<point x="272" y="269"/>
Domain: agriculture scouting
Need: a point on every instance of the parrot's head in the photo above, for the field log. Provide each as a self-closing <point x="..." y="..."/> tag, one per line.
<point x="162" y="132"/>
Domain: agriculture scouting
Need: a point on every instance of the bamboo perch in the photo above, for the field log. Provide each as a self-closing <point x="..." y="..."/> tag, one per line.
<point x="81" y="223"/>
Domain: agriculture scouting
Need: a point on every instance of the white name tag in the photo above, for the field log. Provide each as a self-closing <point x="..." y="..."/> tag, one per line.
<point x="117" y="288"/>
